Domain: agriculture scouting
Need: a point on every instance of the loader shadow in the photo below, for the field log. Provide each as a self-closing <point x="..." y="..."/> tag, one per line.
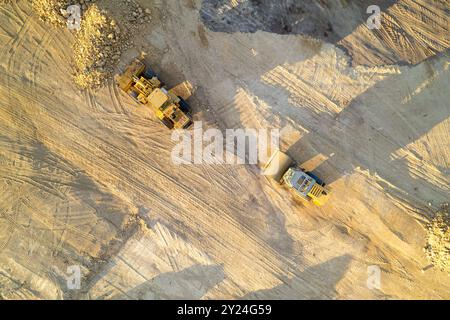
<point x="317" y="282"/>
<point x="319" y="20"/>
<point x="191" y="283"/>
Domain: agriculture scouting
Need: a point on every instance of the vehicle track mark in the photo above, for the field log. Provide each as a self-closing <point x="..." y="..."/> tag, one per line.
<point x="37" y="55"/>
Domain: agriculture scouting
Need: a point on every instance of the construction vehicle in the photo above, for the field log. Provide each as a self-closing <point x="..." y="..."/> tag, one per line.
<point x="142" y="84"/>
<point x="306" y="185"/>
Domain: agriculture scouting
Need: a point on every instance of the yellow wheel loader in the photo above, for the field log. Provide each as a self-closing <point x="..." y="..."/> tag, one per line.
<point x="305" y="185"/>
<point x="142" y="84"/>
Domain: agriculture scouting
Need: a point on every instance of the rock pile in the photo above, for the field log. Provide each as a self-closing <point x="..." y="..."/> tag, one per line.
<point x="100" y="40"/>
<point x="438" y="240"/>
<point x="50" y="11"/>
<point x="96" y="48"/>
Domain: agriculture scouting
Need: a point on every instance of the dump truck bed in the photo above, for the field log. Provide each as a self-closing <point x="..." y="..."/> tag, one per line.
<point x="277" y="165"/>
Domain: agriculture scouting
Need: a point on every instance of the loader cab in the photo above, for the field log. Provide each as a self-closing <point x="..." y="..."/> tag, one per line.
<point x="167" y="109"/>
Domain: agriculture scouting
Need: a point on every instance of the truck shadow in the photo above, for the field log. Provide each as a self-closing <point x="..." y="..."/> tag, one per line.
<point x="317" y="282"/>
<point x="188" y="284"/>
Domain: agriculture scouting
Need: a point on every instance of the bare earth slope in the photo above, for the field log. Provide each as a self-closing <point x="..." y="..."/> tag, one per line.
<point x="86" y="177"/>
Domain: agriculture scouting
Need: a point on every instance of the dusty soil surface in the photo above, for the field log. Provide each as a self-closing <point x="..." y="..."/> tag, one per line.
<point x="86" y="176"/>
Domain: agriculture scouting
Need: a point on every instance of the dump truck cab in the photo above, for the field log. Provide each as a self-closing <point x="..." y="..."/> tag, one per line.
<point x="142" y="84"/>
<point x="304" y="184"/>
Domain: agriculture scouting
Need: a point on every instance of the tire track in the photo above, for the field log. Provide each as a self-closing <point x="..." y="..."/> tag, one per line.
<point x="10" y="50"/>
<point x="9" y="231"/>
<point x="91" y="102"/>
<point x="115" y="97"/>
<point x="37" y="55"/>
<point x="20" y="13"/>
<point x="185" y="195"/>
<point x="13" y="44"/>
<point x="17" y="193"/>
<point x="11" y="15"/>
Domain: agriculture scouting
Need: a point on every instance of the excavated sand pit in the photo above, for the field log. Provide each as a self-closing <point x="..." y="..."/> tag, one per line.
<point x="87" y="179"/>
<point x="314" y="19"/>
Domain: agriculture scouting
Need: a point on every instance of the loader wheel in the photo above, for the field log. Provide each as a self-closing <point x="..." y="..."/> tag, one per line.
<point x="184" y="106"/>
<point x="167" y="123"/>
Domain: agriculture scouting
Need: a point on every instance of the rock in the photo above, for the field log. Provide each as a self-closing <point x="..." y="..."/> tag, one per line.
<point x="64" y="13"/>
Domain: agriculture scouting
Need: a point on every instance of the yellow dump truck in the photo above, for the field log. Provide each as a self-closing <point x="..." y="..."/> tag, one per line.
<point x="142" y="84"/>
<point x="306" y="185"/>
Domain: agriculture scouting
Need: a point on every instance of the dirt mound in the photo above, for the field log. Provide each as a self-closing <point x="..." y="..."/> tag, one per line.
<point x="438" y="240"/>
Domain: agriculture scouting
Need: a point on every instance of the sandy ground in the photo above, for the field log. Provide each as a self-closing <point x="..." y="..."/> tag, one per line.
<point x="86" y="177"/>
